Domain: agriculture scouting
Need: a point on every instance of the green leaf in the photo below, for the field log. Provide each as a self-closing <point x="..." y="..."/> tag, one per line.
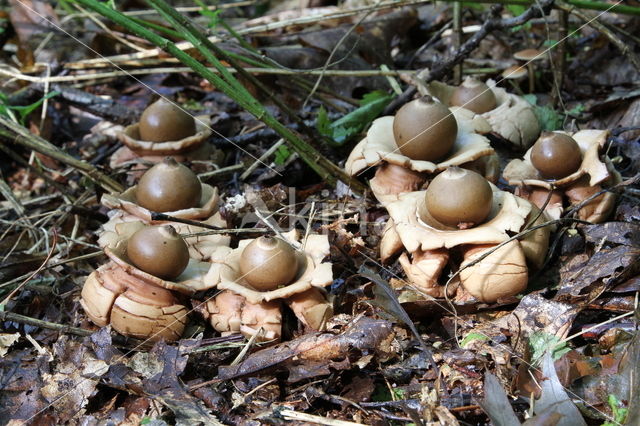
<point x="24" y="111"/>
<point x="193" y="105"/>
<point x="516" y="9"/>
<point x="213" y="15"/>
<point x="323" y="125"/>
<point x="541" y="342"/>
<point x="341" y="130"/>
<point x="548" y="118"/>
<point x="281" y="155"/>
<point x="381" y="394"/>
<point x="372" y="104"/>
<point x="576" y="110"/>
<point x="372" y="97"/>
<point x="618" y="410"/>
<point x="471" y="337"/>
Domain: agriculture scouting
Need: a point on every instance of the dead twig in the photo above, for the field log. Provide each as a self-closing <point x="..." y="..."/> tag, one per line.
<point x="36" y="272"/>
<point x="22" y="136"/>
<point x="22" y="319"/>
<point x="621" y="45"/>
<point x="614" y="188"/>
<point x="495" y="22"/>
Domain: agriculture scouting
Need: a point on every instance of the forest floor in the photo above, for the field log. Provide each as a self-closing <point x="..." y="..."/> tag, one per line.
<point x="566" y="351"/>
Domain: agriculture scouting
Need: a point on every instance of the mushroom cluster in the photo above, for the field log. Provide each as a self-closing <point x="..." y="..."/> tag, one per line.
<point x="566" y="169"/>
<point x="136" y="290"/>
<point x="456" y="221"/>
<point x="490" y="109"/>
<point x="258" y="276"/>
<point x="423" y="138"/>
<point x="173" y="189"/>
<point x="149" y="260"/>
<point x="164" y="130"/>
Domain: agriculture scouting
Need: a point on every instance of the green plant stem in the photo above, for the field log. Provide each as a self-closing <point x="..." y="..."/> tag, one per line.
<point x="22" y="136"/>
<point x="209" y="50"/>
<point x="159" y="28"/>
<point x="328" y="171"/>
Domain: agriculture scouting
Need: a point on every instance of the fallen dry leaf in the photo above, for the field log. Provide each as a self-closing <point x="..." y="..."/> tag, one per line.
<point x="364" y="335"/>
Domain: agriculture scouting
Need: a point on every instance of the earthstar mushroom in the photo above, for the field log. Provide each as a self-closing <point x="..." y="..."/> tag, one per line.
<point x="594" y="172"/>
<point x="424" y="129"/>
<point x="512" y="117"/>
<point x="268" y="262"/>
<point x="170" y="188"/>
<point x="473" y="95"/>
<point x="427" y="246"/>
<point x="159" y="251"/>
<point x="164" y="121"/>
<point x="164" y="130"/>
<point x="469" y="206"/>
<point x="131" y="305"/>
<point x="402" y="171"/>
<point x="134" y="301"/>
<point x="242" y="295"/>
<point x="555" y="155"/>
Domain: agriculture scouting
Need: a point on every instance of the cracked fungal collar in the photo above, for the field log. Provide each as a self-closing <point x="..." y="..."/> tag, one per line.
<point x="380" y="145"/>
<point x="126" y="201"/>
<point x="513" y="118"/>
<point x="522" y="172"/>
<point x="188" y="282"/>
<point x="313" y="271"/>
<point x="508" y="214"/>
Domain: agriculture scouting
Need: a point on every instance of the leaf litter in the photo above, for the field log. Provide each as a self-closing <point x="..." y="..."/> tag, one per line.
<point x="564" y="353"/>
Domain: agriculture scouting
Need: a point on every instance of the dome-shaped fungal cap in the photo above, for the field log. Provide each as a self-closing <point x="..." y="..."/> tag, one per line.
<point x="168" y="186"/>
<point x="514" y="72"/>
<point x="424" y="129"/>
<point x="268" y="262"/>
<point x="529" y="55"/>
<point x="556" y="155"/>
<point x="164" y="121"/>
<point x="159" y="251"/>
<point x="459" y="196"/>
<point x="473" y="95"/>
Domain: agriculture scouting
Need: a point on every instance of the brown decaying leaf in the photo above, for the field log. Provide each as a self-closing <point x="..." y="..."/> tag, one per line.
<point x="534" y="313"/>
<point x="316" y="350"/>
<point x="21" y="374"/>
<point x="626" y="233"/>
<point x="584" y="277"/>
<point x="554" y="397"/>
<point x="496" y="403"/>
<point x="27" y="17"/>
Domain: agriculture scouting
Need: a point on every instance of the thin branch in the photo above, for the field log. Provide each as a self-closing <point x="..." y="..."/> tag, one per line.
<point x="34" y="273"/>
<point x="495" y="22"/>
<point x="22" y="136"/>
<point x="328" y="171"/>
<point x="621" y="45"/>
